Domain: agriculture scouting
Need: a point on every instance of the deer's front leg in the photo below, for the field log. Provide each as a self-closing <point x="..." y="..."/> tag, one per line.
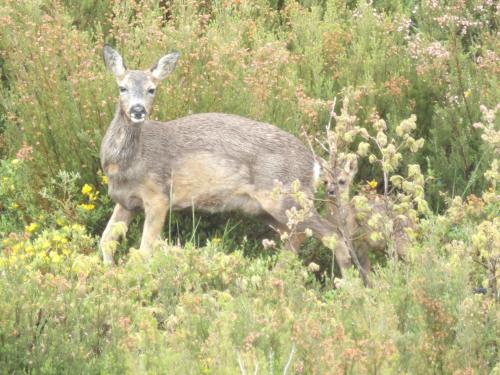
<point x="116" y="228"/>
<point x="155" y="212"/>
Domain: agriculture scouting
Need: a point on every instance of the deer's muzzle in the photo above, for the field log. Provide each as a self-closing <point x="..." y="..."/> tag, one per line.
<point x="137" y="113"/>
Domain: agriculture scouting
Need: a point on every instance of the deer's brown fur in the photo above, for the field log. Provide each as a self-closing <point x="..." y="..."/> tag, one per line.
<point x="354" y="227"/>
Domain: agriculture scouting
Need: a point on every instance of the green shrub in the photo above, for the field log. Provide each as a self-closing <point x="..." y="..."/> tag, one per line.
<point x="201" y="310"/>
<point x="278" y="62"/>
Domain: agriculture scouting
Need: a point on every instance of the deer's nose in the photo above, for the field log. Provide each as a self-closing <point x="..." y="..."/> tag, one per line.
<point x="137" y="112"/>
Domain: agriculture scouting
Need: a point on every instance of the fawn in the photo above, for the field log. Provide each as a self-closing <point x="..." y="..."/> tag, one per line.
<point x="211" y="161"/>
<point x="351" y="223"/>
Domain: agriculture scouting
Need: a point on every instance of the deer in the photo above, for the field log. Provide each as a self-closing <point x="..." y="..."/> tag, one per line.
<point x="338" y="176"/>
<point x="213" y="162"/>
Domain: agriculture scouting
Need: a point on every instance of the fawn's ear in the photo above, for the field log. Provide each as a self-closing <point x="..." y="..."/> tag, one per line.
<point x="354" y="166"/>
<point x="165" y="66"/>
<point x="113" y="61"/>
<point x="323" y="163"/>
<point x="351" y="166"/>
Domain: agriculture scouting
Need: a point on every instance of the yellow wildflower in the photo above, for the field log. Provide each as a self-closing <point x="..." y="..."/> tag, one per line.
<point x="104" y="179"/>
<point x="372" y="184"/>
<point x="87" y="207"/>
<point x="78" y="228"/>
<point x="14" y="205"/>
<point x="31" y="228"/>
<point x="87" y="189"/>
<point x="55" y="257"/>
<point x="16" y="248"/>
<point x="58" y="238"/>
<point x="93" y="196"/>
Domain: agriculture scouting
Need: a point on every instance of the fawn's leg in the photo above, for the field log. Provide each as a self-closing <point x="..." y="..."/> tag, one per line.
<point x="155" y="212"/>
<point x="295" y="239"/>
<point x="363" y="252"/>
<point x="321" y="228"/>
<point x="120" y="217"/>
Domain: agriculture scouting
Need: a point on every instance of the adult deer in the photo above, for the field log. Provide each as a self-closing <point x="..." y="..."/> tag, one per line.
<point x="212" y="161"/>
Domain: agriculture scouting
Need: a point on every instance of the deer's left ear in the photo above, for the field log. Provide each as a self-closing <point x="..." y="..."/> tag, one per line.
<point x="165" y="66"/>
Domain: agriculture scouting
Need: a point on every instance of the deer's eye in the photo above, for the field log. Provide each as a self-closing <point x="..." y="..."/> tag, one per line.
<point x="123" y="89"/>
<point x="151" y="91"/>
<point x="341" y="182"/>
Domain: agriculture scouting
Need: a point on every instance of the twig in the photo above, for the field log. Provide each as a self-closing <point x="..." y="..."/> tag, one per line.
<point x="290" y="357"/>
<point x="240" y="363"/>
<point x="271" y="360"/>
<point x="332" y="115"/>
<point x="354" y="256"/>
<point x="311" y="148"/>
<point x="322" y="145"/>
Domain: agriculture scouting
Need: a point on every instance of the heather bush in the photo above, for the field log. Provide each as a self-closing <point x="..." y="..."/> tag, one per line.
<point x="205" y="311"/>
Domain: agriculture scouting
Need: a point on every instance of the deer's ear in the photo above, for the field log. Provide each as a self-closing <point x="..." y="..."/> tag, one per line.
<point x="351" y="166"/>
<point x="113" y="61"/>
<point x="323" y="163"/>
<point x="354" y="166"/>
<point x="165" y="66"/>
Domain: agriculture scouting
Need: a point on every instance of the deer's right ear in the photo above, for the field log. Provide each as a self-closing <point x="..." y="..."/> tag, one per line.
<point x="113" y="61"/>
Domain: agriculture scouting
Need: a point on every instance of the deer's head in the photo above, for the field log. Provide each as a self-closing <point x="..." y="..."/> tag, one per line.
<point x="138" y="87"/>
<point x="338" y="178"/>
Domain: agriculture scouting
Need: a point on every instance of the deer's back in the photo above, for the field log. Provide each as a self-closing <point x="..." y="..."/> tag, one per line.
<point x="226" y="145"/>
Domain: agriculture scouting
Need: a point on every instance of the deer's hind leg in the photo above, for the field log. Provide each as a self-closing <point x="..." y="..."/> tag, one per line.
<point x="120" y="217"/>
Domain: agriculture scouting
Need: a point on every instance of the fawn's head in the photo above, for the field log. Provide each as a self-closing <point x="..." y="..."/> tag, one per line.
<point x="138" y="87"/>
<point x="338" y="178"/>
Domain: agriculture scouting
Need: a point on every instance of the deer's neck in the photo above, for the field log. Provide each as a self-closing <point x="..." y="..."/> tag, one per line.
<point x="122" y="143"/>
<point x="340" y="213"/>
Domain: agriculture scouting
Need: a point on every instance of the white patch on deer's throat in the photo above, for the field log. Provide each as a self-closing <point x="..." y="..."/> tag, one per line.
<point x="137" y="120"/>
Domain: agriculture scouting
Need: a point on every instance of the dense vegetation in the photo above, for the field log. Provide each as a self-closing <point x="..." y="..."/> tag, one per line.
<point x="214" y="300"/>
